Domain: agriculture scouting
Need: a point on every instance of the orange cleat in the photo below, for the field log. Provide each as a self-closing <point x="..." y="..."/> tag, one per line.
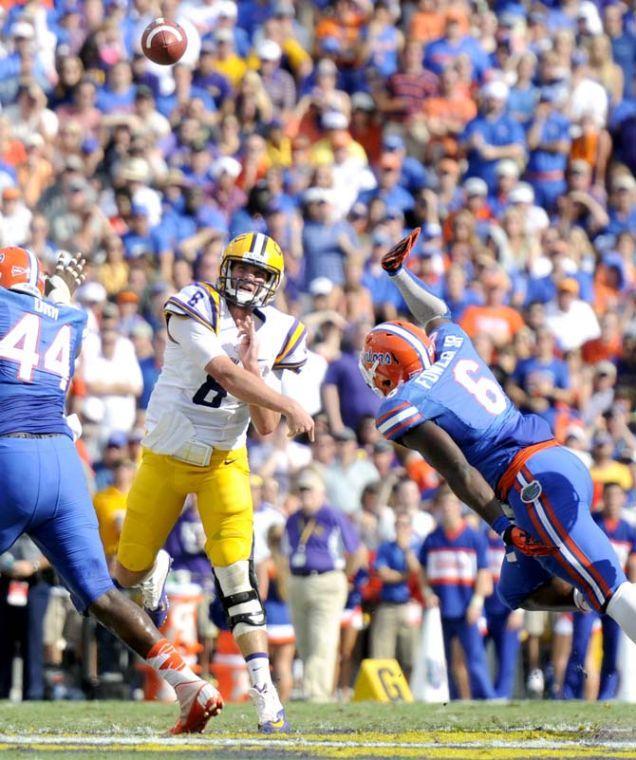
<point x="200" y="702"/>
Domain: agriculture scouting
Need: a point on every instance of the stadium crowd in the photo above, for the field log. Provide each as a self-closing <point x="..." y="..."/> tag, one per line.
<point x="506" y="130"/>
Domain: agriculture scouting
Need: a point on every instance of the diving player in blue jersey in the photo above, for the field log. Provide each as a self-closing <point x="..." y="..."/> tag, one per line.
<point x="44" y="490"/>
<point x="441" y="399"/>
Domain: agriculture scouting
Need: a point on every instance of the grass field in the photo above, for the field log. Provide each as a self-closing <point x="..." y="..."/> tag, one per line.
<point x="124" y="730"/>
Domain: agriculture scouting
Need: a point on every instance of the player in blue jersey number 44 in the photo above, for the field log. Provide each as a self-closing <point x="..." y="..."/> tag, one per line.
<point x="441" y="399"/>
<point x="43" y="491"/>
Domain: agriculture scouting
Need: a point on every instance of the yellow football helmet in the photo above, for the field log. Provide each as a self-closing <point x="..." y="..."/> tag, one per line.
<point x="260" y="251"/>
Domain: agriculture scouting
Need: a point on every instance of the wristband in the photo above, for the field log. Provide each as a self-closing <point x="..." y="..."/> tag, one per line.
<point x="500" y="525"/>
<point x="60" y="292"/>
<point x="477" y="602"/>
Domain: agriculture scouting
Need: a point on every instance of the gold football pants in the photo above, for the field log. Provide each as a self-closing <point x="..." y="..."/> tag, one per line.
<point x="156" y="499"/>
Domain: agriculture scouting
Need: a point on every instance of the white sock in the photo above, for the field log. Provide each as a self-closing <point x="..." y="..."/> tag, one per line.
<point x="169" y="664"/>
<point x="258" y="669"/>
<point x="622" y="607"/>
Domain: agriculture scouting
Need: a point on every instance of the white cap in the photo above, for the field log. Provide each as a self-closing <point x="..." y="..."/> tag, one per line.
<point x="475" y="186"/>
<point x="507" y="168"/>
<point x="227" y="9"/>
<point x="522" y="193"/>
<point x="224" y="35"/>
<point x="228" y="165"/>
<point x="362" y="100"/>
<point x="269" y="50"/>
<point x="334" y="120"/>
<point x="624" y="182"/>
<point x="316" y="194"/>
<point x="495" y="89"/>
<point x="23" y="29"/>
<point x="135" y="170"/>
<point x="320" y="286"/>
<point x="91" y="292"/>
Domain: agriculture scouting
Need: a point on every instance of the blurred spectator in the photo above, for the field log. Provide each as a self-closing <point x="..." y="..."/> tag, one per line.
<point x="347" y="398"/>
<point x="395" y="629"/>
<point x="110" y="505"/>
<point x="502" y="624"/>
<point x="571" y="320"/>
<point x="622" y="536"/>
<point x="455" y="577"/>
<point x="323" y="548"/>
<point x="349" y="473"/>
<point x="24" y="597"/>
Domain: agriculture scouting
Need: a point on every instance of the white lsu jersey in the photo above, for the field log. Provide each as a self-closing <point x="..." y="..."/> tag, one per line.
<point x="219" y="419"/>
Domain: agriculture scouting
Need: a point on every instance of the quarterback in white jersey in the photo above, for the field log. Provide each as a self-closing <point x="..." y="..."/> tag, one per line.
<point x="226" y="352"/>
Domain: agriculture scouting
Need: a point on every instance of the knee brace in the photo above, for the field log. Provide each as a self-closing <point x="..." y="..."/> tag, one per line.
<point x="238" y="592"/>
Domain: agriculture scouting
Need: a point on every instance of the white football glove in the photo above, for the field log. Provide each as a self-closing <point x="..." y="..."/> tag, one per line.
<point x="69" y="275"/>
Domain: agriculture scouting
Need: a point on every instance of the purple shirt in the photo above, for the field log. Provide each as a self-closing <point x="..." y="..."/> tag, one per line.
<point x="185" y="545"/>
<point x="318" y="543"/>
<point x="356" y="399"/>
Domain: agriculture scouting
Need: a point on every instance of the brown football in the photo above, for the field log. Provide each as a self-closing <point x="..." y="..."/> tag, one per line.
<point x="163" y="42"/>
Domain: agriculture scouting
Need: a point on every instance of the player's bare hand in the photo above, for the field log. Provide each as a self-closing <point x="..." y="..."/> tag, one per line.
<point x="298" y="421"/>
<point x="473" y="613"/>
<point x="393" y="259"/>
<point x="248" y="345"/>
<point x="524" y="542"/>
<point x="70" y="269"/>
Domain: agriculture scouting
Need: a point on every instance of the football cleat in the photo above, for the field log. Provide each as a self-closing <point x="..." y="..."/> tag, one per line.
<point x="271" y="713"/>
<point x="200" y="702"/>
<point x="153" y="589"/>
<point x="535" y="684"/>
<point x="393" y="259"/>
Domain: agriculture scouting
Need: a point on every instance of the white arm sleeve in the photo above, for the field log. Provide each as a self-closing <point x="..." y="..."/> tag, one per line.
<point x="201" y="343"/>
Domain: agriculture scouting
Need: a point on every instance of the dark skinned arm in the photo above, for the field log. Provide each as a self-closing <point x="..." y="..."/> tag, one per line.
<point x="442" y="453"/>
<point x="467" y="483"/>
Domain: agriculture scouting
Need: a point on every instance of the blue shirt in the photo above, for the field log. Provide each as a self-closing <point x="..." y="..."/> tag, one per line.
<point x="556" y="127"/>
<point x="318" y="543"/>
<point x="493" y="605"/>
<point x="323" y="255"/>
<point x="621" y="534"/>
<point x="556" y="369"/>
<point x="392" y="556"/>
<point x="38" y="346"/>
<point x="451" y="562"/>
<point x="460" y="394"/>
<point x="439" y="53"/>
<point x="504" y="130"/>
<point x="395" y="198"/>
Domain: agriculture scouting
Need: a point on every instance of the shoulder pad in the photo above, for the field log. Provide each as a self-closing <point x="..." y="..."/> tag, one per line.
<point x="293" y="350"/>
<point x="200" y="301"/>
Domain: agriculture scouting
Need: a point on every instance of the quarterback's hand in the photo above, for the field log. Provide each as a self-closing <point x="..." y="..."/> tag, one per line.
<point x="521" y="540"/>
<point x="298" y="421"/>
<point x="393" y="259"/>
<point x="248" y="347"/>
<point x="70" y="269"/>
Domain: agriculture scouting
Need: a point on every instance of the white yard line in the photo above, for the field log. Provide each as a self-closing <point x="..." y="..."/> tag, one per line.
<point x="204" y="742"/>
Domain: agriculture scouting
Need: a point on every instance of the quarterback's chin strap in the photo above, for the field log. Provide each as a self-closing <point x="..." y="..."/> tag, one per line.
<point x="423" y="305"/>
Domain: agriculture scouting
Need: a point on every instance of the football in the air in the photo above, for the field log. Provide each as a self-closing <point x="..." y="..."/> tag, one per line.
<point x="163" y="41"/>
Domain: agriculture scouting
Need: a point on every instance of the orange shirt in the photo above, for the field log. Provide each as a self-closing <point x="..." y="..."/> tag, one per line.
<point x="598" y="350"/>
<point x="500" y="322"/>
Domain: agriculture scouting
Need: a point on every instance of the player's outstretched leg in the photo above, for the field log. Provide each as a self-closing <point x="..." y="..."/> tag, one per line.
<point x="622" y="608"/>
<point x="199" y="700"/>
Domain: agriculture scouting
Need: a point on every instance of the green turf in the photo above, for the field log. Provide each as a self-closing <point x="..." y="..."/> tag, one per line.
<point x="143" y="719"/>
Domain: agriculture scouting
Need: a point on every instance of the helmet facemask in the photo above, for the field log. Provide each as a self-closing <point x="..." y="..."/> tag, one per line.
<point x="230" y="286"/>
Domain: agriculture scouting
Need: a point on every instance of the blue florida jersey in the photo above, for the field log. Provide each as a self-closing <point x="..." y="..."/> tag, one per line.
<point x="39" y="342"/>
<point x="622" y="536"/>
<point x="451" y="562"/>
<point x="460" y="394"/>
